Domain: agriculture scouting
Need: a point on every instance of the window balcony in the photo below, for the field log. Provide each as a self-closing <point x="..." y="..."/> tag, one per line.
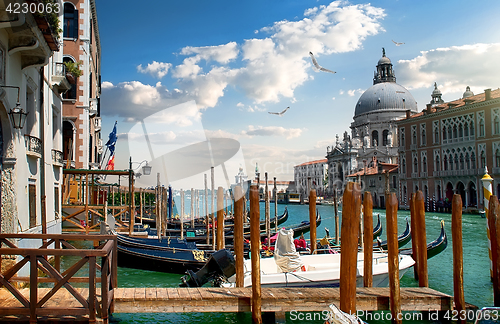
<point x="33" y="146"/>
<point x="93" y="106"/>
<point x="59" y="79"/>
<point x="57" y="158"/>
<point x="413" y="147"/>
<point x="414" y="174"/>
<point x="423" y="174"/>
<point x="496" y="170"/>
<point x="97" y="124"/>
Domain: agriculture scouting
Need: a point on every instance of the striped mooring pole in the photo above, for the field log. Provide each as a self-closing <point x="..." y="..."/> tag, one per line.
<point x="487" y="192"/>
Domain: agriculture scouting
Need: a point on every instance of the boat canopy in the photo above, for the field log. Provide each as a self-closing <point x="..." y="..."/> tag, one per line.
<point x="285" y="255"/>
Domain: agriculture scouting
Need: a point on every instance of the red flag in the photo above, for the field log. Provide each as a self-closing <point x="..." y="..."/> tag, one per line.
<point x="111" y="163"/>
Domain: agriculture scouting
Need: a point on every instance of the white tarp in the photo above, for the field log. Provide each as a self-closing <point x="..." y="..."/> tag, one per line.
<point x="285" y="255"/>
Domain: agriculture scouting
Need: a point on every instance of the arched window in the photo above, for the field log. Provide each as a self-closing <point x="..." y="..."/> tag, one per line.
<point x="483" y="160"/>
<point x="423" y="136"/>
<point x="445" y="163"/>
<point x="450" y="161"/>
<point x="385" y="135"/>
<point x="466" y="130"/>
<point x="403" y="171"/>
<point x="375" y="138"/>
<point x="70" y="28"/>
<point x="496" y="125"/>
<point x="456" y="162"/>
<point x="473" y="160"/>
<point x="460" y="131"/>
<point x="497" y="158"/>
<point x="455" y="132"/>
<point x="481" y="127"/>
<point x="437" y="162"/>
<point x="436" y="135"/>
<point x="415" y="165"/>
<point x="424" y="164"/>
<point x="471" y="128"/>
<point x="462" y="165"/>
<point x="444" y="133"/>
<point x="467" y="161"/>
<point x="71" y="93"/>
<point x="449" y="133"/>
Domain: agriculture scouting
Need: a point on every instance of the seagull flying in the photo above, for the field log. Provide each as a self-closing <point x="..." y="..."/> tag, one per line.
<point x="397" y="44"/>
<point x="319" y="67"/>
<point x="280" y="113"/>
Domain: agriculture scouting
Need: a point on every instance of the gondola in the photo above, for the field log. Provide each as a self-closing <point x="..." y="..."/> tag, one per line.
<point x="169" y="255"/>
<point x="305" y="226"/>
<point x="377" y="230"/>
<point x="403" y="239"/>
<point x="435" y="247"/>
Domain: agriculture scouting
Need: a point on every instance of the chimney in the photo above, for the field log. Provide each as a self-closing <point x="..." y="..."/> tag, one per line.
<point x="487" y="94"/>
<point x="408" y="113"/>
<point x="429" y="109"/>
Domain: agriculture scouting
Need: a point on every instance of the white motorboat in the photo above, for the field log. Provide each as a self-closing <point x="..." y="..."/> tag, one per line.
<point x="289" y="269"/>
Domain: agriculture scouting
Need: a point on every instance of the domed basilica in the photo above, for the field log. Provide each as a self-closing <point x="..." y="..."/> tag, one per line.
<point x="373" y="135"/>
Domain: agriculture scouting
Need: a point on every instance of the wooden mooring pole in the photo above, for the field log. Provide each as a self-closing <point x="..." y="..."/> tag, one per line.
<point x="392" y="247"/>
<point x="238" y="235"/>
<point x="458" y="261"/>
<point x="423" y="279"/>
<point x="493" y="213"/>
<point x="212" y="197"/>
<point x="182" y="212"/>
<point x="207" y="214"/>
<point x="368" y="239"/>
<point x="255" y="252"/>
<point x="337" y="221"/>
<point x="312" y="219"/>
<point x="220" y="218"/>
<point x="414" y="245"/>
<point x="349" y="248"/>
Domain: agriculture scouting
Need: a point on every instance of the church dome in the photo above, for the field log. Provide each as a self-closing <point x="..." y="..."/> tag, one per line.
<point x="467" y="93"/>
<point x="385" y="96"/>
<point x="384" y="60"/>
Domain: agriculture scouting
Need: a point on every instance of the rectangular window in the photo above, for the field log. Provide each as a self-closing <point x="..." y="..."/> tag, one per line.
<point x="32" y="204"/>
<point x="56" y="200"/>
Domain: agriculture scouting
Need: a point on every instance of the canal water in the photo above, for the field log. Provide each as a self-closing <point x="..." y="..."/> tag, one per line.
<point x="478" y="288"/>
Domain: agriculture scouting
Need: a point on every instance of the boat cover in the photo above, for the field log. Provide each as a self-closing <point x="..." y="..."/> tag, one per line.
<point x="285" y="255"/>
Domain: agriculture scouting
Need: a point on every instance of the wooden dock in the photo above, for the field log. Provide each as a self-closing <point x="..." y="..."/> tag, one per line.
<point x="172" y="300"/>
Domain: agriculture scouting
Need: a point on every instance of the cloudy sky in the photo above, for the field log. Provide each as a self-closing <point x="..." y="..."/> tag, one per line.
<point x="184" y="71"/>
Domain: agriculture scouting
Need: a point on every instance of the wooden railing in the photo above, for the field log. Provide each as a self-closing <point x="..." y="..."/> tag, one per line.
<point x="46" y="260"/>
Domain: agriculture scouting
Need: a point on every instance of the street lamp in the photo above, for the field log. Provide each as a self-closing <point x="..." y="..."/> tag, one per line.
<point x="146" y="169"/>
<point x="17" y="114"/>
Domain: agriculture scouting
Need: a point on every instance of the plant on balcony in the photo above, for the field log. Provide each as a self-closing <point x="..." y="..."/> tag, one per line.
<point x="73" y="71"/>
<point x="49" y="22"/>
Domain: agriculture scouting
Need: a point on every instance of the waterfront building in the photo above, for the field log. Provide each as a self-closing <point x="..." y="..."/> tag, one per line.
<point x="373" y="130"/>
<point x="82" y="143"/>
<point x="445" y="148"/>
<point x="31" y="77"/>
<point x="310" y="175"/>
<point x="374" y="179"/>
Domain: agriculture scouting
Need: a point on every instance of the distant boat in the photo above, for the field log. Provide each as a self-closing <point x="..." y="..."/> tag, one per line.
<point x="403" y="239"/>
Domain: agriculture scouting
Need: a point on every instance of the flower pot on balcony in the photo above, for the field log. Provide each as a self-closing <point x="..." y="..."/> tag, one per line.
<point x="71" y="78"/>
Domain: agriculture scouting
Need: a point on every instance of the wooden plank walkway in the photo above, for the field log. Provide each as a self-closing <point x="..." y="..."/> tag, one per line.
<point x="170" y="300"/>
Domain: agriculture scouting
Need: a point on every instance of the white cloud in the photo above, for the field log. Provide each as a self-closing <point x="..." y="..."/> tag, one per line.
<point x="272" y="131"/>
<point x="135" y="101"/>
<point x="156" y="69"/>
<point x="106" y="85"/>
<point x="453" y="68"/>
<point x="221" y="53"/>
<point x="353" y="92"/>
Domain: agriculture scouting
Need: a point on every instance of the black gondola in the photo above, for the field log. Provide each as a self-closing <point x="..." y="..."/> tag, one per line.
<point x="403" y="239"/>
<point x="169" y="255"/>
<point x="433" y="248"/>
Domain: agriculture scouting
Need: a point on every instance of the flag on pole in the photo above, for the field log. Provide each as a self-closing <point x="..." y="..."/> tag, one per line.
<point x="111" y="163"/>
<point x="112" y="141"/>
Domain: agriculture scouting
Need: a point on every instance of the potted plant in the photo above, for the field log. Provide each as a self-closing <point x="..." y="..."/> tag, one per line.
<point x="73" y="71"/>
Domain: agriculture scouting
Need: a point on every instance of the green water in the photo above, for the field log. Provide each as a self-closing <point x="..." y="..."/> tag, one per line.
<point x="478" y="288"/>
